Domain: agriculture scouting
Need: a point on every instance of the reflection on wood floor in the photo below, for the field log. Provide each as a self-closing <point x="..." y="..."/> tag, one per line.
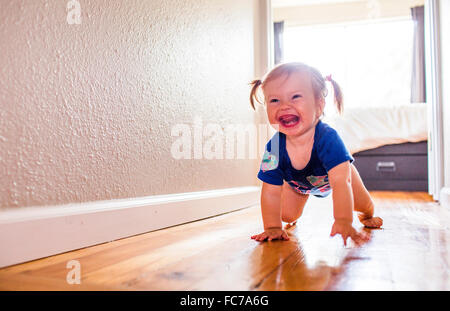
<point x="410" y="252"/>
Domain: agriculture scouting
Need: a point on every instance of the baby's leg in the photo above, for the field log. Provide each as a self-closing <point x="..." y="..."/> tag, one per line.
<point x="292" y="204"/>
<point x="363" y="203"/>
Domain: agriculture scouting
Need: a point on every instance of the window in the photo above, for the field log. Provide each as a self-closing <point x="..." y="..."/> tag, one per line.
<point x="371" y="61"/>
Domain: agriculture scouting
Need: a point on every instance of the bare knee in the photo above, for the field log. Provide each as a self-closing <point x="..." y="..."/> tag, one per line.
<point x="290" y="217"/>
<point x="292" y="204"/>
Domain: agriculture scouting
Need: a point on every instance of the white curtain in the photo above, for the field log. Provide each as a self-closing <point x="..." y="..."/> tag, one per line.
<point x="418" y="94"/>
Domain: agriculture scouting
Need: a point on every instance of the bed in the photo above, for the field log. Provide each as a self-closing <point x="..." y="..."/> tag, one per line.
<point x="389" y="145"/>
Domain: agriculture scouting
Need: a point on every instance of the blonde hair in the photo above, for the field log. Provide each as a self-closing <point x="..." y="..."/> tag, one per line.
<point x="317" y="81"/>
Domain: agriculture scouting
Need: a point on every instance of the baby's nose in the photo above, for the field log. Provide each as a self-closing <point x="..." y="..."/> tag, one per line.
<point x="285" y="105"/>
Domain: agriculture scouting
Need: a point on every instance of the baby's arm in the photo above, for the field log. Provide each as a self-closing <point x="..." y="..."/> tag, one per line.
<point x="340" y="181"/>
<point x="271" y="214"/>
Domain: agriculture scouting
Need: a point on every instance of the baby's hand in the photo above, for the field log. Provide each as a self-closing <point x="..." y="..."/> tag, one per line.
<point x="346" y="230"/>
<point x="271" y="234"/>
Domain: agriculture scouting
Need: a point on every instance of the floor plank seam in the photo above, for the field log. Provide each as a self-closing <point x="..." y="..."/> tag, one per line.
<point x="256" y="286"/>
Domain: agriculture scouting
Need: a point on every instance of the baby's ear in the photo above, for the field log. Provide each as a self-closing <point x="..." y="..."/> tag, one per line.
<point x="320" y="102"/>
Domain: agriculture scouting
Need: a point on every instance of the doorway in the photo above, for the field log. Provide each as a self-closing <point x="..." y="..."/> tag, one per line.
<point x="285" y="11"/>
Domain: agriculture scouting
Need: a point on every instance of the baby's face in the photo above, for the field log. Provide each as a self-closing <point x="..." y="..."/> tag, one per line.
<point x="291" y="104"/>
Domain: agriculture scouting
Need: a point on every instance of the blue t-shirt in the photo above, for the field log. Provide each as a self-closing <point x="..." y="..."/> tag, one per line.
<point x="327" y="152"/>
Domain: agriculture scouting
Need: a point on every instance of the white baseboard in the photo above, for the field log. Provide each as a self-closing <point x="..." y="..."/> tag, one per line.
<point x="35" y="232"/>
<point x="444" y="197"/>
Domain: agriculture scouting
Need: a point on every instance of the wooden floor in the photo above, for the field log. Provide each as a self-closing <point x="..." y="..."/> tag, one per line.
<point x="410" y="252"/>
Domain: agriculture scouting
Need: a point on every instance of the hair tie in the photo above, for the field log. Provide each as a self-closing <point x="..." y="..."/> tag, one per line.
<point x="328" y="78"/>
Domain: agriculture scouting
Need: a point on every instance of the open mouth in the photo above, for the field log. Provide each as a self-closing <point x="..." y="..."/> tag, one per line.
<point x="289" y="120"/>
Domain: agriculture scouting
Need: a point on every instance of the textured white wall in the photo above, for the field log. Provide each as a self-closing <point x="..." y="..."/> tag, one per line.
<point x="86" y="110"/>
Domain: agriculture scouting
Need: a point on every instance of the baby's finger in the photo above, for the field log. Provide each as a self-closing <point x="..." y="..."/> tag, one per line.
<point x="345" y="237"/>
<point x="365" y="236"/>
<point x="254" y="237"/>
<point x="359" y="238"/>
<point x="333" y="232"/>
<point x="261" y="237"/>
<point x="285" y="236"/>
<point x="274" y="237"/>
<point x="362" y="235"/>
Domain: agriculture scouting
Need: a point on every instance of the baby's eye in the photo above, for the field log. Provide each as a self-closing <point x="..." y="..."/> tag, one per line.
<point x="273" y="100"/>
<point x="296" y="96"/>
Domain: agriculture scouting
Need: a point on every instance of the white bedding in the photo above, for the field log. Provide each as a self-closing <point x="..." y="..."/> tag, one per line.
<point x="367" y="128"/>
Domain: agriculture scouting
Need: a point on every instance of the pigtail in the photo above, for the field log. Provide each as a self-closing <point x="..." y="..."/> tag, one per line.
<point x="253" y="93"/>
<point x="338" y="97"/>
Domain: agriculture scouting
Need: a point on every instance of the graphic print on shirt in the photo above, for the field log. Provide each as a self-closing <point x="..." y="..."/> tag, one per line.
<point x="269" y="162"/>
<point x="319" y="182"/>
<point x="300" y="187"/>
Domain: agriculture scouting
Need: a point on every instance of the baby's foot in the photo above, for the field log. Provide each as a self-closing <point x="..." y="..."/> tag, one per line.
<point x="290" y="225"/>
<point x="372" y="222"/>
